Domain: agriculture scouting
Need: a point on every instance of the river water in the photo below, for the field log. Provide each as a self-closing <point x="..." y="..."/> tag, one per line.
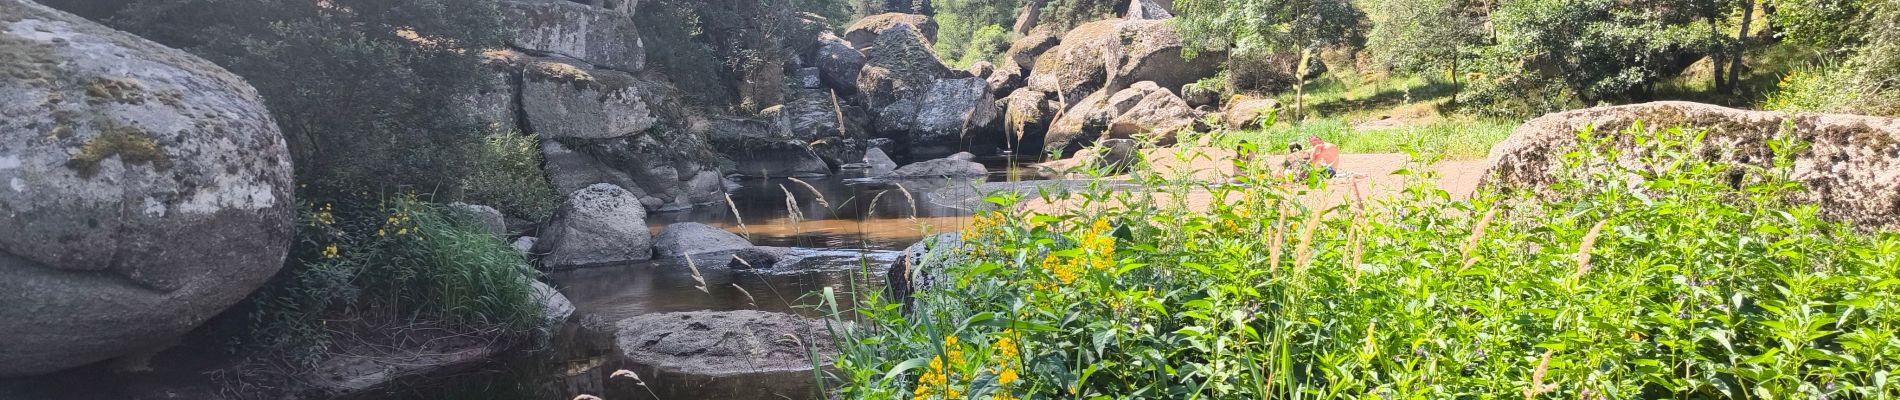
<point x="847" y="228"/>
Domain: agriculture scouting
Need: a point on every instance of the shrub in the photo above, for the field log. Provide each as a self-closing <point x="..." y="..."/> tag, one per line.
<point x="1657" y="281"/>
<point x="507" y="175"/>
<point x="395" y="260"/>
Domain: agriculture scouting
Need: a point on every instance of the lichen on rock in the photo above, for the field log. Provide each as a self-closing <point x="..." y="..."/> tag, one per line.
<point x="131" y="145"/>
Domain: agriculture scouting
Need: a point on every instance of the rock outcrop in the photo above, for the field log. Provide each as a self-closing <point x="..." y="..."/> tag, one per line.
<point x="765" y="147"/>
<point x="742" y="354"/>
<point x="1144" y="108"/>
<point x="601" y="224"/>
<point x="864" y="33"/>
<point x="931" y="109"/>
<point x="601" y="36"/>
<point x="143" y="190"/>
<point x="487" y="216"/>
<point x="1850" y="167"/>
<point x="564" y="100"/>
<point x="1110" y="55"/>
<point x="1248" y="113"/>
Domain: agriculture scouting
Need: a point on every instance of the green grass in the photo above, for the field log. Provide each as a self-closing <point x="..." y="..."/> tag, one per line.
<point x="1662" y="283"/>
<point x="1455" y="138"/>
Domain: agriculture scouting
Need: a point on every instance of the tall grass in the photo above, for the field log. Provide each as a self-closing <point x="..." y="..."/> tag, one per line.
<point x="391" y="263"/>
<point x="1660" y="282"/>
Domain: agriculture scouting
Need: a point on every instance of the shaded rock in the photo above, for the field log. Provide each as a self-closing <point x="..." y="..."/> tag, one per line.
<point x="598" y="36"/>
<point x="1113" y="54"/>
<point x="878" y="163"/>
<point x="525" y="245"/>
<point x="864" y="33"/>
<point x="742" y="354"/>
<point x="1850" y="169"/>
<point x="808" y="78"/>
<point x="562" y="100"/>
<point x="1023" y="52"/>
<point x="915" y="270"/>
<point x="762" y="147"/>
<point x="494" y="105"/>
<point x="835" y="127"/>
<point x="144" y="191"/>
<point x="940" y="168"/>
<point x="488" y="216"/>
<point x="571" y="170"/>
<point x="1248" y="113"/>
<point x="838" y="63"/>
<point x="693" y="238"/>
<point x="953" y="114"/>
<point x="555" y="306"/>
<point x="360" y="371"/>
<point x="601" y="224"/>
<point x="981" y="69"/>
<point x="899" y="68"/>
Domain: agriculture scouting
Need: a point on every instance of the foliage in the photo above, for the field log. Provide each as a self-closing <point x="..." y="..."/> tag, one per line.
<point x="509" y="178"/>
<point x="396" y="260"/>
<point x="1457" y="138"/>
<point x="1427" y="36"/>
<point x="1268" y="26"/>
<point x="1067" y="14"/>
<point x="970" y="30"/>
<point x="1835" y="25"/>
<point x="1673" y="279"/>
<point x="1877" y="65"/>
<point x="358" y="86"/>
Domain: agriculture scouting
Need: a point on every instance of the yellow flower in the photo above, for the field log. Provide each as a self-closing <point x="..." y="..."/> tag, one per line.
<point x="1007" y="377"/>
<point x="403" y="231"/>
<point x="330" y="252"/>
<point x="380" y="232"/>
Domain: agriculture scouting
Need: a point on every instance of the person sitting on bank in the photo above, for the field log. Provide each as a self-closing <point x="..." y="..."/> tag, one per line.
<point x="1323" y="158"/>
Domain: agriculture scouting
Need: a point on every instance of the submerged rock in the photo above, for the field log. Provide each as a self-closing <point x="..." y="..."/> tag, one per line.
<point x="1850" y="167"/>
<point x="741" y="354"/>
<point x="143" y="190"/>
<point x="601" y="224"/>
<point x="940" y="168"/>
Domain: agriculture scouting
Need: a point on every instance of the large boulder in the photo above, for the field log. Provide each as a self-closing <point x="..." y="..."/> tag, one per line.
<point x="838" y="63"/>
<point x="743" y="354"/>
<point x="877" y="163"/>
<point x="489" y="217"/>
<point x="563" y="100"/>
<point x="571" y="170"/>
<point x="144" y="190"/>
<point x="1148" y="9"/>
<point x="1019" y="60"/>
<point x="864" y="33"/>
<point x="1113" y="54"/>
<point x="1850" y="167"/>
<point x="601" y="224"/>
<point x="693" y="238"/>
<point x="1248" y="113"/>
<point x="915" y="98"/>
<point x="599" y="36"/>
<point x="1144" y="108"/>
<point x="835" y="128"/>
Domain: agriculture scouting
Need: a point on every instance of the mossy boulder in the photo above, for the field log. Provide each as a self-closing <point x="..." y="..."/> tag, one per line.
<point x="143" y="190"/>
<point x="1113" y="54"/>
<point x="863" y="34"/>
<point x="1849" y="165"/>
<point x="563" y="100"/>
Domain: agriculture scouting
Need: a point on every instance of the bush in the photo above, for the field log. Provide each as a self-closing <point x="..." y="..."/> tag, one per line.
<point x="395" y="260"/>
<point x="1632" y="283"/>
<point x="507" y="175"/>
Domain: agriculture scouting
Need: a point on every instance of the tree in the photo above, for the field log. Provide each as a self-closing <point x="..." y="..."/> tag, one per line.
<point x="357" y="86"/>
<point x="1421" y="36"/>
<point x="1598" y="50"/>
<point x="1259" y="27"/>
<point x="959" y="22"/>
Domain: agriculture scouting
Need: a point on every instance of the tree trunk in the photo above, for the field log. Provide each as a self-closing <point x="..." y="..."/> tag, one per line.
<point x="1029" y="17"/>
<point x="1454" y="76"/>
<point x="1715" y="55"/>
<point x="1741" y="45"/>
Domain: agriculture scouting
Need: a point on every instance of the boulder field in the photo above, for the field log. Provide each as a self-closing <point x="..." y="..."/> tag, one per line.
<point x="143" y="190"/>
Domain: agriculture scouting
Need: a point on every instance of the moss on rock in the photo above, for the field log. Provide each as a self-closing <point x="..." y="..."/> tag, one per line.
<point x="131" y="145"/>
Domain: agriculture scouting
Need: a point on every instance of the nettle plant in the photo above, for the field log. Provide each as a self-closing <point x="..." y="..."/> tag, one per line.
<point x="1660" y="279"/>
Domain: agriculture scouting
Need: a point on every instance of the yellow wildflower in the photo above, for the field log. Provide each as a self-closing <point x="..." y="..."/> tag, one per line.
<point x="1007" y="377"/>
<point x="330" y="252"/>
